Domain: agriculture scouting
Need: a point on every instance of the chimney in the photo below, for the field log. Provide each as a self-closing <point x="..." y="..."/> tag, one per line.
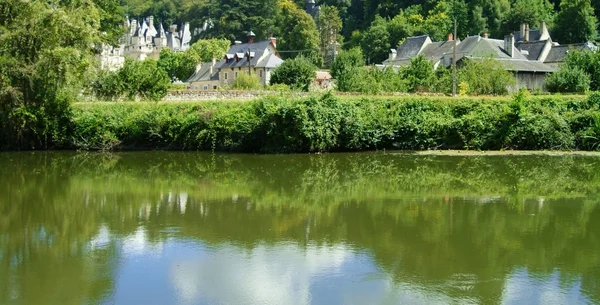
<point x="251" y="36"/>
<point x="545" y="35"/>
<point x="509" y="44"/>
<point x="450" y="37"/>
<point x="486" y="35"/>
<point x="212" y="66"/>
<point x="274" y="42"/>
<point x="393" y="54"/>
<point x="526" y="37"/>
<point x="522" y="31"/>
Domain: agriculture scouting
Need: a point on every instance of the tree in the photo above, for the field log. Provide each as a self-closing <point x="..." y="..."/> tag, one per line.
<point x="477" y="22"/>
<point x="299" y="33"/>
<point x="568" y="79"/>
<point x="45" y="53"/>
<point x="346" y="67"/>
<point x="419" y="75"/>
<point x="171" y="62"/>
<point x="576" y="22"/>
<point x="181" y="65"/>
<point x="580" y="72"/>
<point x="298" y="73"/>
<point x="144" y="79"/>
<point x="329" y="25"/>
<point x="375" y="41"/>
<point x="486" y="76"/>
<point x="532" y="12"/>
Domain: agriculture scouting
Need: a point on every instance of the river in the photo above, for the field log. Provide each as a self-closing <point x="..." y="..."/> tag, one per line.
<point x="369" y="228"/>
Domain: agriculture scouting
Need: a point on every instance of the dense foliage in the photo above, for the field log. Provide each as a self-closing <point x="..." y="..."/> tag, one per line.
<point x="374" y="25"/>
<point x="45" y="51"/>
<point x="580" y="72"/>
<point x="327" y="123"/>
<point x="137" y="79"/>
<point x="181" y="65"/>
<point x="298" y="73"/>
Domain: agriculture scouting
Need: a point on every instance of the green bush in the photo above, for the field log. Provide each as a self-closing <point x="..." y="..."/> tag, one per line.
<point x="143" y="79"/>
<point x="485" y="77"/>
<point x="568" y="79"/>
<point x="246" y="81"/>
<point x="326" y="123"/>
<point x="297" y="73"/>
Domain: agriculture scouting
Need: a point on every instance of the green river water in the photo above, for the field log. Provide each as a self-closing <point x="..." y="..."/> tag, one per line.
<point x="377" y="228"/>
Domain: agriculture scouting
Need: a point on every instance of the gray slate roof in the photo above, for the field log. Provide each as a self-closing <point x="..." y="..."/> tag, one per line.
<point x="559" y="53"/>
<point x="534" y="49"/>
<point x="476" y="46"/>
<point x="435" y="50"/>
<point x="534" y="35"/>
<point x="411" y="47"/>
<point x="204" y="73"/>
<point x="257" y="47"/>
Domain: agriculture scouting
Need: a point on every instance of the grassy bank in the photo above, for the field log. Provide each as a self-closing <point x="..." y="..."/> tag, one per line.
<point x="329" y="123"/>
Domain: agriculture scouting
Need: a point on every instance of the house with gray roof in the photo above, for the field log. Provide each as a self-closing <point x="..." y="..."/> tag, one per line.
<point x="529" y="54"/>
<point x="258" y="58"/>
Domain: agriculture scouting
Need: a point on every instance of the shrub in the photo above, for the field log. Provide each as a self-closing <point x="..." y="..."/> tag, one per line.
<point x="345" y="67"/>
<point x="297" y="73"/>
<point x="420" y="74"/>
<point x="327" y="123"/>
<point x="246" y="81"/>
<point x="142" y="79"/>
<point x="568" y="79"/>
<point x="486" y="76"/>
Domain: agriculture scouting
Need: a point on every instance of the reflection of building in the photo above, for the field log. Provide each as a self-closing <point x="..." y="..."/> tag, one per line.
<point x="142" y="40"/>
<point x="259" y="58"/>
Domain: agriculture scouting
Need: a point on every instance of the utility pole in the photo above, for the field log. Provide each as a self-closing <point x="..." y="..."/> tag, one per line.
<point x="454" y="80"/>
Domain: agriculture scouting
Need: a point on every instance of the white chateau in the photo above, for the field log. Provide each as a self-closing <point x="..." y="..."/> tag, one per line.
<point x="142" y="40"/>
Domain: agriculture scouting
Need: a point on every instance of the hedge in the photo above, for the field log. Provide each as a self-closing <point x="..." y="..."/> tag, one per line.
<point x="325" y="123"/>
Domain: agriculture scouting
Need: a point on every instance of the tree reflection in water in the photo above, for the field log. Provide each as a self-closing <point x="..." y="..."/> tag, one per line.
<point x="426" y="229"/>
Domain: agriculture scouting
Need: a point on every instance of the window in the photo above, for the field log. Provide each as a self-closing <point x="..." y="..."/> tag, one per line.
<point x="236" y="74"/>
<point x="206" y="87"/>
<point x="215" y="87"/>
<point x="260" y="73"/>
<point x="225" y="75"/>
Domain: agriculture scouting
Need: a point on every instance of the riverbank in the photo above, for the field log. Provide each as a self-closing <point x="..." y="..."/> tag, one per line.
<point x="327" y="123"/>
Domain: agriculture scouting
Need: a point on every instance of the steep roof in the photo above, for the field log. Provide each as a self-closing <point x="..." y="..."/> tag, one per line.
<point x="204" y="73"/>
<point x="533" y="49"/>
<point x="559" y="53"/>
<point x="411" y="46"/>
<point x="476" y="46"/>
<point x="258" y="48"/>
<point x="270" y="61"/>
<point x="435" y="50"/>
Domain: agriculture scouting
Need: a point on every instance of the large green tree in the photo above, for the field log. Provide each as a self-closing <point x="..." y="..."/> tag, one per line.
<point x="329" y="25"/>
<point x="532" y="12"/>
<point x="375" y="41"/>
<point x="45" y="51"/>
<point x="299" y="34"/>
<point x="575" y="22"/>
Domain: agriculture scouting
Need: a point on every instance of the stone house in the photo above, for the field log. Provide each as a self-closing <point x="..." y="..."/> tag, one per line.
<point x="258" y="58"/>
<point x="529" y="54"/>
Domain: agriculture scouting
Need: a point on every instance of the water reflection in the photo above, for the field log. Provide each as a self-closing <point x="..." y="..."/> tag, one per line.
<point x="167" y="228"/>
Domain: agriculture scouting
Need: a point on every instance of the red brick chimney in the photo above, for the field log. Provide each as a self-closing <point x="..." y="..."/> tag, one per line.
<point x="450" y="37"/>
<point x="273" y="41"/>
